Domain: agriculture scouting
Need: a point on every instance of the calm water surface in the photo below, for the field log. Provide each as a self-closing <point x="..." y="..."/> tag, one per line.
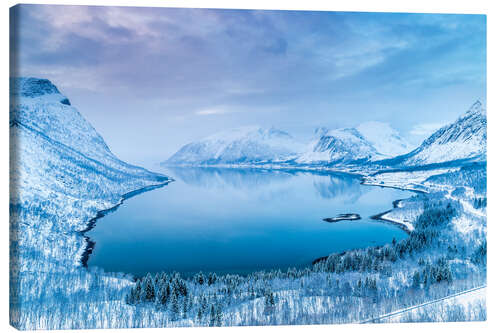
<point x="238" y="221"/>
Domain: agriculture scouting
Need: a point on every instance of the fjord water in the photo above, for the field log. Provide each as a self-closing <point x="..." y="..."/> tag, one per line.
<point x="239" y="221"/>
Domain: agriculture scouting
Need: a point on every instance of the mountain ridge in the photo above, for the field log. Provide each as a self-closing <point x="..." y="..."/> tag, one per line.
<point x="463" y="139"/>
<point x="385" y="139"/>
<point x="341" y="145"/>
<point x="373" y="144"/>
<point x="249" y="144"/>
<point x="37" y="104"/>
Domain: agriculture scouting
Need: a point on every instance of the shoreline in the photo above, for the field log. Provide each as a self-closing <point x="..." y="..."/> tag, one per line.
<point x="395" y="204"/>
<point x="380" y="217"/>
<point x="89" y="244"/>
<point x="395" y="187"/>
<point x="377" y="217"/>
<point x="284" y="168"/>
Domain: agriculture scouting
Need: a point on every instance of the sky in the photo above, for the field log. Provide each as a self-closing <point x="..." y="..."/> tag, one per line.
<point x="153" y="79"/>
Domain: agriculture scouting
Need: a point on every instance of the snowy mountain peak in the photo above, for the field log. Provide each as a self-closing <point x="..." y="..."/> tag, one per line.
<point x="32" y="87"/>
<point x="341" y="145"/>
<point x="384" y="138"/>
<point x="38" y="105"/>
<point x="36" y="88"/>
<point x="476" y="108"/>
<point x="370" y="141"/>
<point x="250" y="144"/>
<point x="344" y="132"/>
<point x="320" y="131"/>
<point x="38" y="110"/>
<point x="463" y="139"/>
<point x="248" y="132"/>
<point x="273" y="131"/>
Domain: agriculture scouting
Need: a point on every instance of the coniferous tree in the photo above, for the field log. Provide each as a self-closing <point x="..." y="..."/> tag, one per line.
<point x="200" y="278"/>
<point x="218" y="315"/>
<point x="212" y="278"/>
<point x="212" y="316"/>
<point x="149" y="290"/>
<point x="204" y="304"/>
<point x="199" y="315"/>
<point x="185" y="307"/>
<point x="163" y="295"/>
<point x="174" y="307"/>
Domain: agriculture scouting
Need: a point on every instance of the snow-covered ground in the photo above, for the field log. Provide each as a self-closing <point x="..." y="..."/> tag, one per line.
<point x="427" y="181"/>
<point x="468" y="305"/>
<point x="407" y="180"/>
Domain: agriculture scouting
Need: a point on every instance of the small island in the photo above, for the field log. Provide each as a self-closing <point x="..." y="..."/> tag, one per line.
<point x="342" y="217"/>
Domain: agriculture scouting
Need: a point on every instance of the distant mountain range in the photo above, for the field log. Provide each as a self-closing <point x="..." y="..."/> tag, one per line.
<point x="249" y="145"/>
<point x="385" y="139"/>
<point x="373" y="143"/>
<point x="339" y="146"/>
<point x="237" y="146"/>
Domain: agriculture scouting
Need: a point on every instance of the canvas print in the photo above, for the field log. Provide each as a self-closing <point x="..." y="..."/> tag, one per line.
<point x="214" y="167"/>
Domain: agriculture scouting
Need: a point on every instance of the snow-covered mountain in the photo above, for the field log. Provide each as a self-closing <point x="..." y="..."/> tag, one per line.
<point x="62" y="174"/>
<point x="344" y="145"/>
<point x="370" y="141"/>
<point x="242" y="145"/>
<point x="385" y="139"/>
<point x="38" y="106"/>
<point x="55" y="150"/>
<point x="463" y="139"/>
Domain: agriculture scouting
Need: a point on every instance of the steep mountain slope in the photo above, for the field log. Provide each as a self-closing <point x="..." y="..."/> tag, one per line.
<point x="59" y="161"/>
<point x="62" y="174"/>
<point x="345" y="145"/>
<point x="463" y="139"/>
<point x="385" y="139"/>
<point x="37" y="105"/>
<point x="239" y="145"/>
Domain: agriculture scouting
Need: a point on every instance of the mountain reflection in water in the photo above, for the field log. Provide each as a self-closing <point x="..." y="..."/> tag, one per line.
<point x="240" y="220"/>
